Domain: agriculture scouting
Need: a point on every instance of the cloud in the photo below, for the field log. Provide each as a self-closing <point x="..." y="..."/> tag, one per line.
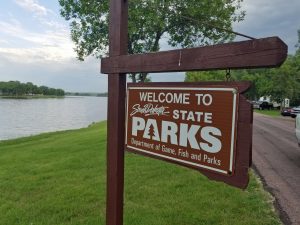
<point x="43" y="53"/>
<point x="2" y="41"/>
<point x="11" y="28"/>
<point x="52" y="45"/>
<point x="52" y="48"/>
<point x="32" y="6"/>
<point x="271" y="18"/>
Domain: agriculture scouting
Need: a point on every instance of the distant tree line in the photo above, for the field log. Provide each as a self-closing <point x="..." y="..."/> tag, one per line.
<point x="87" y="94"/>
<point x="16" y="88"/>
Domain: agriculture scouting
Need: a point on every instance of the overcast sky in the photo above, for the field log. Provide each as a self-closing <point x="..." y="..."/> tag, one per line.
<point x="35" y="43"/>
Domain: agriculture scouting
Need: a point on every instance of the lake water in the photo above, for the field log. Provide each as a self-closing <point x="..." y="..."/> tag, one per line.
<point x="25" y="117"/>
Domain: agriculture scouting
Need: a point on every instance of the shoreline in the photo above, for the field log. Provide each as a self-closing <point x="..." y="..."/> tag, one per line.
<point x="30" y="97"/>
<point x="51" y="132"/>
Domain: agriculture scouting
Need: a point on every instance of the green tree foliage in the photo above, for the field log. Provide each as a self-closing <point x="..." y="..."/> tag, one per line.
<point x="279" y="83"/>
<point x="298" y="44"/>
<point x="149" y="22"/>
<point x="215" y="75"/>
<point x="16" y="88"/>
<point x="284" y="82"/>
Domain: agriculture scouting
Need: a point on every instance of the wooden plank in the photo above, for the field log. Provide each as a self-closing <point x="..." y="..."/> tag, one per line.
<point x="116" y="115"/>
<point x="259" y="53"/>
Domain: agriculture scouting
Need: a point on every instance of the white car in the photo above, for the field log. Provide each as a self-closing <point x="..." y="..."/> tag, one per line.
<point x="298" y="128"/>
<point x="295" y="111"/>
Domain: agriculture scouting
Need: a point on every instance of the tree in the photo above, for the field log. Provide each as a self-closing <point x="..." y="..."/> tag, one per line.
<point x="285" y="81"/>
<point x="149" y="22"/>
<point x="16" y="88"/>
<point x="298" y="44"/>
<point x="220" y="75"/>
<point x="216" y="75"/>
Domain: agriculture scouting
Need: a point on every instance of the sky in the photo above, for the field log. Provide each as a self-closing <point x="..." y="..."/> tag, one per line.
<point x="35" y="44"/>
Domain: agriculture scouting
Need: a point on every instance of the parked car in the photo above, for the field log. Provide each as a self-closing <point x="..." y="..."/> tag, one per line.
<point x="255" y="104"/>
<point x="298" y="128"/>
<point x="265" y="105"/>
<point x="295" y="111"/>
<point x="286" y="111"/>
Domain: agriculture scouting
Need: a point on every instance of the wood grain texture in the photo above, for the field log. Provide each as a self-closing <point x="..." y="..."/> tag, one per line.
<point x="116" y="115"/>
<point x="259" y="53"/>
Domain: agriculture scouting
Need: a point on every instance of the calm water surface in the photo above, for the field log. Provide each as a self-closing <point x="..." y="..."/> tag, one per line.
<point x="25" y="117"/>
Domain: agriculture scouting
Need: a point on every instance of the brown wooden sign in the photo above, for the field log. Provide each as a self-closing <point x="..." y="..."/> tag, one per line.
<point x="194" y="125"/>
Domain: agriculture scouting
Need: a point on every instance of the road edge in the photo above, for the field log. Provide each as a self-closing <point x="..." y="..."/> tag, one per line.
<point x="283" y="216"/>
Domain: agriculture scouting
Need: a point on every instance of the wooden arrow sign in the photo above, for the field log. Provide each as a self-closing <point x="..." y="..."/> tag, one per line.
<point x="265" y="52"/>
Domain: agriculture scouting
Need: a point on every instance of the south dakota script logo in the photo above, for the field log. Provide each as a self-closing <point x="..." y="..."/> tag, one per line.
<point x="149" y="109"/>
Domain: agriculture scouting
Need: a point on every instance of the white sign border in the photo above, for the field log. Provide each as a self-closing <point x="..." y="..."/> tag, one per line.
<point x="233" y="128"/>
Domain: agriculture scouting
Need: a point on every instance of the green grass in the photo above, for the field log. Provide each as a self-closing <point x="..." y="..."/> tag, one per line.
<point x="60" y="178"/>
<point x="273" y="112"/>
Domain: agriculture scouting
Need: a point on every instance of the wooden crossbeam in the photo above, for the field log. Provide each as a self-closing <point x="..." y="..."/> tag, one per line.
<point x="265" y="52"/>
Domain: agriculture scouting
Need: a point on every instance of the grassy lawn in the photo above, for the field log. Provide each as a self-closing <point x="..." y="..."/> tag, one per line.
<point x="59" y="178"/>
<point x="272" y="112"/>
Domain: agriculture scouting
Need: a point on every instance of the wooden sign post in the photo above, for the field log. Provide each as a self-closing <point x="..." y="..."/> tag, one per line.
<point x="267" y="52"/>
<point x="118" y="18"/>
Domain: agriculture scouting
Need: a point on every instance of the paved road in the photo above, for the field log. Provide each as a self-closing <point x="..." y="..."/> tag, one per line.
<point x="276" y="156"/>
